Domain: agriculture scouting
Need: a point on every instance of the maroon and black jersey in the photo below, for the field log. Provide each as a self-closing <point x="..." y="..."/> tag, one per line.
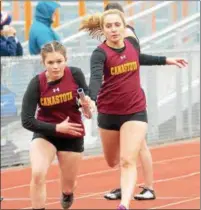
<point x="46" y="104"/>
<point x="58" y="101"/>
<point x="121" y="92"/>
<point x="98" y="61"/>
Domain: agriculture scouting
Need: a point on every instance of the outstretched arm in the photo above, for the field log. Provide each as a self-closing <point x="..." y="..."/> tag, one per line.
<point x="148" y="60"/>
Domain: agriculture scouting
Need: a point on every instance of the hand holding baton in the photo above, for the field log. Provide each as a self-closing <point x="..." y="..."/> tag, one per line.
<point x="86" y="109"/>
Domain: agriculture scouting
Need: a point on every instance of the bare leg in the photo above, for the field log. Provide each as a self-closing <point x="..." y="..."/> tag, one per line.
<point x="129" y="151"/>
<point x="42" y="154"/>
<point x="111" y="144"/>
<point x="147" y="167"/>
<point x="69" y="165"/>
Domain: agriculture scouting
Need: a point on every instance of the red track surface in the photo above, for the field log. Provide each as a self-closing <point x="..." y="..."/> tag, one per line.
<point x="176" y="174"/>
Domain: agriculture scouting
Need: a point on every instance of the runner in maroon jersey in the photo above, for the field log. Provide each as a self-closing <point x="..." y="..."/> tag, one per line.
<point x="147" y="192"/>
<point x="121" y="103"/>
<point x="58" y="128"/>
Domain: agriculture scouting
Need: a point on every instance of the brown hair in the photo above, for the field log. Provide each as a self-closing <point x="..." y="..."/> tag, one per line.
<point x="54" y="46"/>
<point x="94" y="23"/>
<point x="114" y="5"/>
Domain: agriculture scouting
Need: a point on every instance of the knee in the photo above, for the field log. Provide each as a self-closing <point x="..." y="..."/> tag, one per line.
<point x="127" y="162"/>
<point x="144" y="150"/>
<point x="38" y="176"/>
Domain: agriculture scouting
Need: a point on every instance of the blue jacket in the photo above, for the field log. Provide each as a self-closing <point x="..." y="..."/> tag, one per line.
<point x="41" y="32"/>
<point x="10" y="47"/>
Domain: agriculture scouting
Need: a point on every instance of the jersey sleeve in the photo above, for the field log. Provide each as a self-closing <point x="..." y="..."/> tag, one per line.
<point x="97" y="61"/>
<point x="80" y="79"/>
<point x="29" y="107"/>
<point x="145" y="59"/>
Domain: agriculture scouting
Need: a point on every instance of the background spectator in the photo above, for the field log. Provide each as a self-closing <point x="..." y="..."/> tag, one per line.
<point x="41" y="31"/>
<point x="9" y="44"/>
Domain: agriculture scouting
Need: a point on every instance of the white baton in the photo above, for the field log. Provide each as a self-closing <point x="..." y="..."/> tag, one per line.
<point x="81" y="93"/>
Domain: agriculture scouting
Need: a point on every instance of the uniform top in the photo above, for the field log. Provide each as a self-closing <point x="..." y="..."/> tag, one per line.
<point x="121" y="91"/>
<point x="46" y="104"/>
<point x="98" y="60"/>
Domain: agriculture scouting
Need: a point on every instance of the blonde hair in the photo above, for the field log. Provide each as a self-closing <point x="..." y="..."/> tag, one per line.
<point x="54" y="46"/>
<point x="94" y="23"/>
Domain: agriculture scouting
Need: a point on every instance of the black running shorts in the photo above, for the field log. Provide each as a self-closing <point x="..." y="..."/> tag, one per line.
<point x="114" y="122"/>
<point x="63" y="144"/>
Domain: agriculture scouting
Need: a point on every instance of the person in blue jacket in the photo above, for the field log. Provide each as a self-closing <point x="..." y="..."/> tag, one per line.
<point x="9" y="44"/>
<point x="41" y="31"/>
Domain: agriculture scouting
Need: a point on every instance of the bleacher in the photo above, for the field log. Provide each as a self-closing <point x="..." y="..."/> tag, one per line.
<point x="149" y="20"/>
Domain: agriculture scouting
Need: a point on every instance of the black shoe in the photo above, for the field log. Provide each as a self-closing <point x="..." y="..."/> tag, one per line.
<point x="146" y="194"/>
<point x="113" y="195"/>
<point x="67" y="201"/>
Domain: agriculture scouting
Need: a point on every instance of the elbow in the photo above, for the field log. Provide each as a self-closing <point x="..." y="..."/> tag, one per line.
<point x="26" y="122"/>
<point x="28" y="125"/>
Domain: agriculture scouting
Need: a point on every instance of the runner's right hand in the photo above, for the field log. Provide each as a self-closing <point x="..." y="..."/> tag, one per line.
<point x="66" y="127"/>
